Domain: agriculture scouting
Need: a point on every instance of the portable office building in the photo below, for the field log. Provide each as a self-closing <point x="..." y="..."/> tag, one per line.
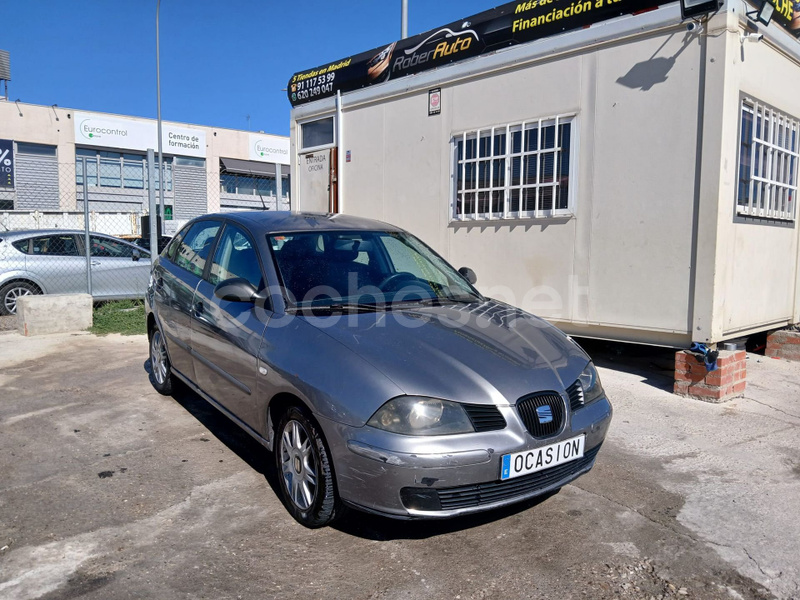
<point x="622" y="172"/>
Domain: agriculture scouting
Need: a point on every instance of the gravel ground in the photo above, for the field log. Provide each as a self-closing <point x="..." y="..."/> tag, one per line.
<point x="108" y="490"/>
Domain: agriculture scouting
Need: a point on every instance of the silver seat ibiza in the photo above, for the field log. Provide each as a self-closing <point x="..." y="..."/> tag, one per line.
<point x="375" y="372"/>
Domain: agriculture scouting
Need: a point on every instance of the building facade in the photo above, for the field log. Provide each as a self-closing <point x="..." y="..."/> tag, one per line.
<point x="52" y="156"/>
<point x="631" y="176"/>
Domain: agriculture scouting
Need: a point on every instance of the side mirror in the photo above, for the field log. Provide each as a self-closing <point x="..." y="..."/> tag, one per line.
<point x="136" y="255"/>
<point x="236" y="290"/>
<point x="468" y="274"/>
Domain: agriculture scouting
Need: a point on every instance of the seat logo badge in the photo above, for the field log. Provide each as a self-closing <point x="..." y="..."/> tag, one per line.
<point x="544" y="414"/>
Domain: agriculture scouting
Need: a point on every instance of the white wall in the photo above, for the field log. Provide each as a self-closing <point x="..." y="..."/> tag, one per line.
<point x="619" y="267"/>
<point x="757" y="260"/>
<point x="653" y="251"/>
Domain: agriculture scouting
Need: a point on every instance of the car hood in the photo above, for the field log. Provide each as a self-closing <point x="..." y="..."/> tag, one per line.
<point x="484" y="352"/>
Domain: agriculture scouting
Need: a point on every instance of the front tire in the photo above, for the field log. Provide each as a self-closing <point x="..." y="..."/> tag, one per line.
<point x="10" y="292"/>
<point x="305" y="470"/>
<point x="160" y="367"/>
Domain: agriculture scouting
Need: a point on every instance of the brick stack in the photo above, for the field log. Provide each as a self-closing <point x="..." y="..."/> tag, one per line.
<point x="784" y="344"/>
<point x="693" y="380"/>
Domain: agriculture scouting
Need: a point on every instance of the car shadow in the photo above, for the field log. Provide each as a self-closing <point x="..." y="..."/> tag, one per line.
<point x="655" y="365"/>
<point x="383" y="529"/>
<point x="354" y="522"/>
<point x="237" y="440"/>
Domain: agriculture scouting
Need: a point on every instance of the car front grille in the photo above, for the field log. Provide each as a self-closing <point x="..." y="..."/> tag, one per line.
<point x="575" y="393"/>
<point x="485" y="417"/>
<point x="470" y="496"/>
<point x="541" y="422"/>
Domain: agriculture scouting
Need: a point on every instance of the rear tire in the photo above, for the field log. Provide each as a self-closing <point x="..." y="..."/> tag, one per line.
<point x="305" y="471"/>
<point x="13" y="290"/>
<point x="160" y="367"/>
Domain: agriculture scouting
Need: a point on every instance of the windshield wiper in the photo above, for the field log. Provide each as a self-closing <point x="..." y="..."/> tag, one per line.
<point x="341" y="307"/>
<point x="437" y="301"/>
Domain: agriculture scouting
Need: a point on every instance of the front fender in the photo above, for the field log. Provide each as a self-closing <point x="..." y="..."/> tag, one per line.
<point x="331" y="379"/>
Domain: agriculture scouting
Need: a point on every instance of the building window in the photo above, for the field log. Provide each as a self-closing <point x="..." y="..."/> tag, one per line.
<point x="187" y="161"/>
<point x="513" y="171"/>
<point x="35" y="149"/>
<point x="248" y="185"/>
<point x="317" y="133"/>
<point x="768" y="155"/>
<point x="118" y="170"/>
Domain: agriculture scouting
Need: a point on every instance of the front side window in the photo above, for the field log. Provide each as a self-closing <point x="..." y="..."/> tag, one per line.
<point x="105" y="247"/>
<point x="768" y="155"/>
<point x="196" y="246"/>
<point x="236" y="257"/>
<point x="513" y="171"/>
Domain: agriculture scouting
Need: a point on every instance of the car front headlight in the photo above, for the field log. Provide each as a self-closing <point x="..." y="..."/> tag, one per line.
<point x="590" y="382"/>
<point x="417" y="415"/>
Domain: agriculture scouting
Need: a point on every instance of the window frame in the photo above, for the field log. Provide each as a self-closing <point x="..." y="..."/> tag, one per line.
<point x="101" y="158"/>
<point x="508" y="155"/>
<point x="783" y="206"/>
<point x="309" y="149"/>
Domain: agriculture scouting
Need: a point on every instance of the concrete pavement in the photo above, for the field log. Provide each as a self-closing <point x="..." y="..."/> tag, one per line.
<point x="108" y="490"/>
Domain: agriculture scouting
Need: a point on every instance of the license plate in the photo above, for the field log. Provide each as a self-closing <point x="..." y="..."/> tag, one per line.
<point x="530" y="461"/>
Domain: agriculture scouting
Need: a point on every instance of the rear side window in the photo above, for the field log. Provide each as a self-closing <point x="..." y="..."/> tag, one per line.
<point x="54" y="245"/>
<point x="22" y="246"/>
<point x="196" y="246"/>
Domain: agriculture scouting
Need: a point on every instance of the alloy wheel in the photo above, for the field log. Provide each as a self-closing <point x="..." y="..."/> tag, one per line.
<point x="10" y="298"/>
<point x="298" y="465"/>
<point x="158" y="358"/>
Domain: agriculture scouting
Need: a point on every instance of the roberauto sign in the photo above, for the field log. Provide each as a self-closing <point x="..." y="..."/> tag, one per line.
<point x="6" y="164"/>
<point x="507" y="25"/>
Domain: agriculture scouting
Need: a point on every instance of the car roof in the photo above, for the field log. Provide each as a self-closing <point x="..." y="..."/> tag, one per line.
<point x="265" y="222"/>
<point x="23" y="233"/>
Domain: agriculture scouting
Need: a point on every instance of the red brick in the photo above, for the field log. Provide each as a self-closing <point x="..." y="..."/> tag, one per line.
<point x="737" y="388"/>
<point x="707" y="392"/>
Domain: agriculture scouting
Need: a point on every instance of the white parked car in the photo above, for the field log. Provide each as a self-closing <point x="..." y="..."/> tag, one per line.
<point x="52" y="261"/>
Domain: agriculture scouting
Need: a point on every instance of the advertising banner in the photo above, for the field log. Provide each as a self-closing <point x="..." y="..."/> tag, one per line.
<point x="787" y="15"/>
<point x="127" y="134"/>
<point x="501" y="27"/>
<point x="269" y="148"/>
<point x="6" y="164"/>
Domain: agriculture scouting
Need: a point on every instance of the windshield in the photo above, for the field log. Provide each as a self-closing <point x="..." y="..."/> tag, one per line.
<point x="364" y="267"/>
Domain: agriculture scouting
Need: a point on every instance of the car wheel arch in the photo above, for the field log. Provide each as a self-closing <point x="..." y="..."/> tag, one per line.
<point x="277" y="406"/>
<point x="28" y="280"/>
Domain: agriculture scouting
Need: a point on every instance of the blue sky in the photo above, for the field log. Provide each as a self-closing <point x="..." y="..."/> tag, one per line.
<point x="220" y="61"/>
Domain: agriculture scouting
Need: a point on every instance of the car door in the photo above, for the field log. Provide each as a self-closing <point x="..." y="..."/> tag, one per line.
<point x="119" y="269"/>
<point x="174" y="281"/>
<point x="55" y="260"/>
<point x="226" y="335"/>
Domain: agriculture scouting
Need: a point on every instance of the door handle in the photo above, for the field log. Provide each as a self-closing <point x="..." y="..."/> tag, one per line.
<point x="95" y="263"/>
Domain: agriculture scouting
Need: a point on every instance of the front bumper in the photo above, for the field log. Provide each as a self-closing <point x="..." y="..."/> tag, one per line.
<point x="439" y="477"/>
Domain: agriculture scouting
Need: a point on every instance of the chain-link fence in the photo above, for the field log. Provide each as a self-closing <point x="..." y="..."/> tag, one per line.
<point x="45" y="228"/>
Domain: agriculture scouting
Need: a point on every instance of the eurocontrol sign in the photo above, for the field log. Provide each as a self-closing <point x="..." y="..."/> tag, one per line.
<point x="507" y="25"/>
<point x="111" y="132"/>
